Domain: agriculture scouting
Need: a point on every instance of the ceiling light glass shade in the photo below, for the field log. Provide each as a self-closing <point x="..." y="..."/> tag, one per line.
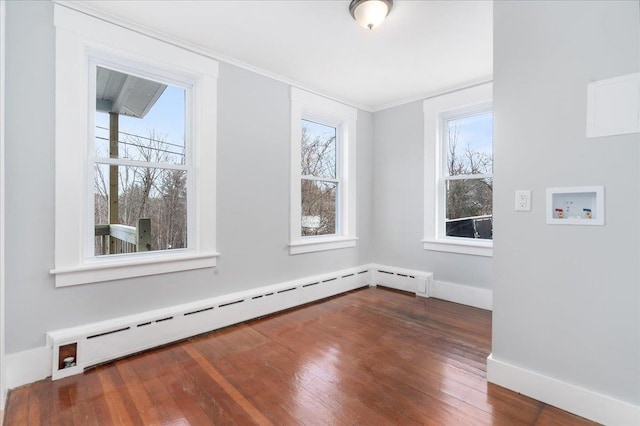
<point x="370" y="13"/>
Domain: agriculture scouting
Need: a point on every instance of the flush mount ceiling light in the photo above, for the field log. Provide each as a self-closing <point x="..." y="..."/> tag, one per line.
<point x="370" y="13"/>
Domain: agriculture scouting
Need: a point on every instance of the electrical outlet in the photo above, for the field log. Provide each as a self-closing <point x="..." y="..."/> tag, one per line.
<point x="523" y="201"/>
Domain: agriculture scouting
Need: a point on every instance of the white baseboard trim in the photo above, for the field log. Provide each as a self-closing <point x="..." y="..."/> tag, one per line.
<point x="27" y="366"/>
<point x="117" y="337"/>
<point x="411" y="280"/>
<point x="401" y="279"/>
<point x="466" y="295"/>
<point x="582" y="402"/>
<point x="111" y="339"/>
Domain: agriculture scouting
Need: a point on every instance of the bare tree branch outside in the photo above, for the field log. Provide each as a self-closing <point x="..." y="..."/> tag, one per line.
<point x="319" y="183"/>
<point x="470" y="195"/>
<point x="155" y="186"/>
<point x="147" y="192"/>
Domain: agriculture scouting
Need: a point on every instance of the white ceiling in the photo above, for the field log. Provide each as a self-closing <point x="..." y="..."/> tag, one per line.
<point x="422" y="48"/>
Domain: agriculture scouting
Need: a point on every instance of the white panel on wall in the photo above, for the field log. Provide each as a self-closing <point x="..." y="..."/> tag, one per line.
<point x="613" y="106"/>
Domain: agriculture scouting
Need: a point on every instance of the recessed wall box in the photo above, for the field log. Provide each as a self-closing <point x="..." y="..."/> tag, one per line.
<point x="582" y="205"/>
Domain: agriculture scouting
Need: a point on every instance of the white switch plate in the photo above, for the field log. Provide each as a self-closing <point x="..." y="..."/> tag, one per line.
<point x="523" y="201"/>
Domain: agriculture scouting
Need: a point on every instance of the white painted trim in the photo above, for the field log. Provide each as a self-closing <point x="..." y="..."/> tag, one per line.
<point x="111" y="339"/>
<point x="450" y="245"/>
<point x="465" y="295"/>
<point x="36" y="364"/>
<point x="451" y="89"/>
<point x="402" y="279"/>
<point x="3" y="387"/>
<point x="28" y="366"/>
<point x="305" y="105"/>
<point x="80" y="38"/>
<point x="127" y="266"/>
<point x="39" y="363"/>
<point x="467" y="99"/>
<point x="320" y="244"/>
<point x="580" y="401"/>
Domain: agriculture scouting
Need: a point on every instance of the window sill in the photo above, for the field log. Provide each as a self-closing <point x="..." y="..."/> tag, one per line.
<point x="131" y="266"/>
<point x="313" y="244"/>
<point x="460" y="246"/>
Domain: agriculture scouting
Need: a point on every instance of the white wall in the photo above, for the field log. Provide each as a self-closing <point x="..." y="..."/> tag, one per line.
<point x="2" y="202"/>
<point x="566" y="298"/>
<point x="398" y="213"/>
<point x="253" y="197"/>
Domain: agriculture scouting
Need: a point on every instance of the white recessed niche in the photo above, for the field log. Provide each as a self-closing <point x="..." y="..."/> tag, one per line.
<point x="583" y="205"/>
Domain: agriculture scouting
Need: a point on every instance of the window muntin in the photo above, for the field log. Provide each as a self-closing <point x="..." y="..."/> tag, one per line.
<point x="141" y="164"/>
<point x="320" y="183"/>
<point x="467" y="174"/>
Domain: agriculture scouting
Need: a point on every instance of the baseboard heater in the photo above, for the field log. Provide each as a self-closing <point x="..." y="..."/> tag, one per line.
<point x="77" y="348"/>
<point x="404" y="280"/>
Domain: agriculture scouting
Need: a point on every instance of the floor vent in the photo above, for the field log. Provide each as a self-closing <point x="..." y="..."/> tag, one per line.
<point x="100" y="342"/>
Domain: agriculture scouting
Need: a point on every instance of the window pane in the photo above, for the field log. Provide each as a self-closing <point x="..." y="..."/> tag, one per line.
<point x="150" y="118"/>
<point x="159" y="195"/>
<point x="470" y="145"/>
<point x="469" y="208"/>
<point x="318" y="207"/>
<point x="318" y="150"/>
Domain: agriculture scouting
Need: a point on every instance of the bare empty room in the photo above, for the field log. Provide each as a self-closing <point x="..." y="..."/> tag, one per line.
<point x="320" y="212"/>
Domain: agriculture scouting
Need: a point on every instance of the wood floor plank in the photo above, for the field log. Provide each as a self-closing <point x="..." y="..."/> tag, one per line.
<point x="256" y="415"/>
<point x="152" y="374"/>
<point x="17" y="407"/>
<point x="371" y="356"/>
<point x="144" y="406"/>
<point x="122" y="406"/>
<point x="218" y="407"/>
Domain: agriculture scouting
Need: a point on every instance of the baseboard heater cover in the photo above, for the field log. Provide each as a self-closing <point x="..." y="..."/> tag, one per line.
<point x="402" y="279"/>
<point x="77" y="348"/>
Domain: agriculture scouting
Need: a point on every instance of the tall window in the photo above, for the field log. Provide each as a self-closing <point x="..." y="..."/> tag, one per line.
<point x="467" y="174"/>
<point x="141" y="165"/>
<point x="458" y="191"/>
<point x="322" y="174"/>
<point x="320" y="182"/>
<point x="143" y="132"/>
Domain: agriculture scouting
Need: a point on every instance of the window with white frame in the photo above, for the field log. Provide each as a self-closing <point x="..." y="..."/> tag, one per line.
<point x="322" y="173"/>
<point x="467" y="173"/>
<point x="130" y="114"/>
<point x="140" y="157"/>
<point x="320" y="180"/>
<point x="459" y="172"/>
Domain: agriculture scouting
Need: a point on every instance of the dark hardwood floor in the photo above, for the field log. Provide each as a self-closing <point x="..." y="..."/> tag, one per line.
<point x="370" y="357"/>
